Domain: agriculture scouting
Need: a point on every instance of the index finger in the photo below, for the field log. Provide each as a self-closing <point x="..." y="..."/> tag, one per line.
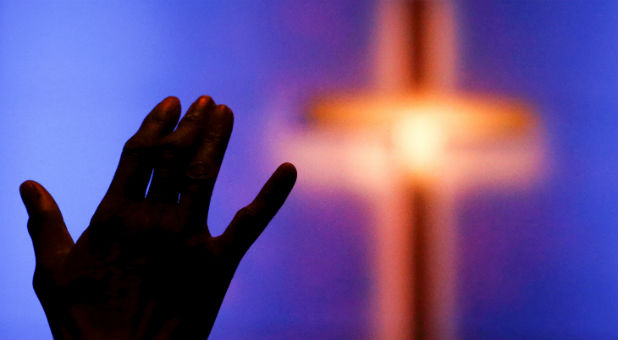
<point x="135" y="165"/>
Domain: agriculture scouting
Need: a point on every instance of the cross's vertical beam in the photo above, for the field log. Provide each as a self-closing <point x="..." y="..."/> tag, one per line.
<point x="420" y="222"/>
<point x="428" y="35"/>
<point x="418" y="128"/>
<point x="433" y="255"/>
<point x="417" y="12"/>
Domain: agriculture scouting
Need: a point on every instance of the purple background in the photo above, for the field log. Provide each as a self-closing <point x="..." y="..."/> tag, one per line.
<point x="77" y="78"/>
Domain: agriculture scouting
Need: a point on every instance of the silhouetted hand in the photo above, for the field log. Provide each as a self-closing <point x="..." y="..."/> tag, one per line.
<point x="147" y="267"/>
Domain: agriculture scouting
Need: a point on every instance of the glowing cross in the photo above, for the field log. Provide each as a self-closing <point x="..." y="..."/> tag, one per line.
<point x="412" y="142"/>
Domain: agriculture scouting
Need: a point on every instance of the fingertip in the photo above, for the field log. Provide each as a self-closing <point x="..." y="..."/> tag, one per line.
<point x="204" y="101"/>
<point x="170" y="105"/>
<point x="35" y="197"/>
<point x="287" y="166"/>
<point x="30" y="194"/>
<point x="171" y="101"/>
<point x="226" y="114"/>
<point x="162" y="119"/>
<point x="27" y="188"/>
<point x="224" y="108"/>
<point x="26" y="185"/>
<point x="279" y="185"/>
<point x="47" y="230"/>
<point x="199" y="108"/>
<point x="289" y="170"/>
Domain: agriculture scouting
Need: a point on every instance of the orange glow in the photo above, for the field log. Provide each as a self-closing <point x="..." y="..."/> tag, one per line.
<point x="426" y="131"/>
<point x="371" y="111"/>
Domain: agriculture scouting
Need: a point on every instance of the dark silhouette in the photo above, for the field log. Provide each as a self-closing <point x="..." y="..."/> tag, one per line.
<point x="147" y="267"/>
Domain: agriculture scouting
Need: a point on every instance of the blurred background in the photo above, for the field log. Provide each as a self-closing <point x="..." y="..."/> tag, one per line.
<point x="537" y="259"/>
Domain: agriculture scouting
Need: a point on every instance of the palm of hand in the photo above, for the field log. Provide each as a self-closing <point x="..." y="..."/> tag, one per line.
<point x="147" y="267"/>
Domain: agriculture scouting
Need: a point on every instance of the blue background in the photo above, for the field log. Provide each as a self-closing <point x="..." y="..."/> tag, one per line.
<point x="76" y="79"/>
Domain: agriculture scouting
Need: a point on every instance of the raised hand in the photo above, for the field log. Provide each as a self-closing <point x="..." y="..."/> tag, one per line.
<point x="147" y="266"/>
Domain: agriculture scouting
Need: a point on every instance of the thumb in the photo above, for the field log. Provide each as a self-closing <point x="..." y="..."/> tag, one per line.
<point x="50" y="237"/>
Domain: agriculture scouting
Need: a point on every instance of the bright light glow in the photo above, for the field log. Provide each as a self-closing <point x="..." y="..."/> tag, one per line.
<point x="419" y="140"/>
<point x="427" y="131"/>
